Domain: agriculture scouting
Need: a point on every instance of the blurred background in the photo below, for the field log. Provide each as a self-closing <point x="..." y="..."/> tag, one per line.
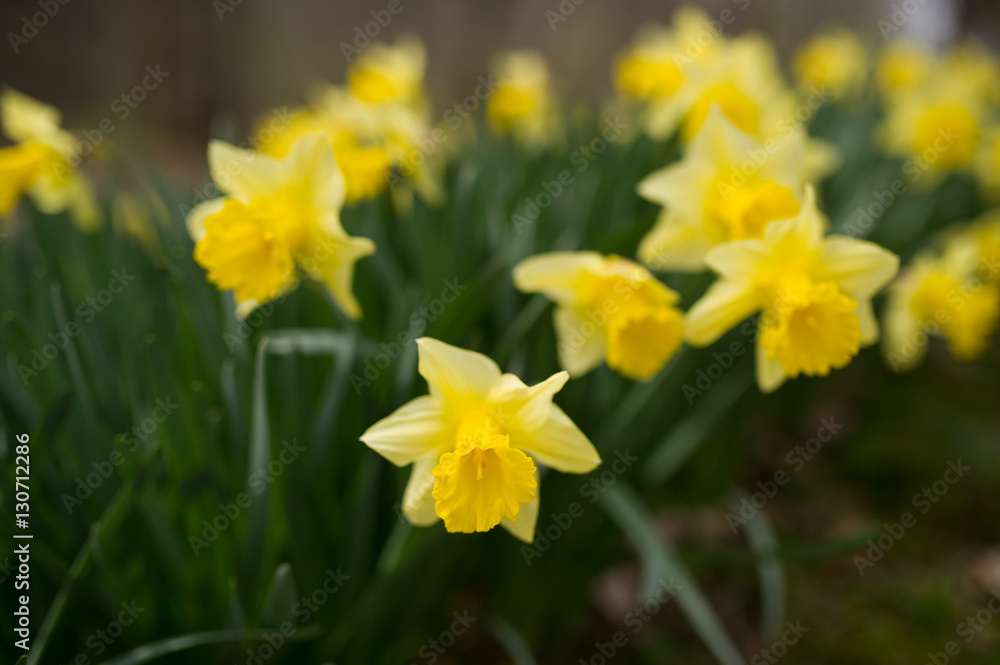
<point x="230" y="60"/>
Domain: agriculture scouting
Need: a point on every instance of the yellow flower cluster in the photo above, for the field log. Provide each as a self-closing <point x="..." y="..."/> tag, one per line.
<point x="952" y="293"/>
<point x="42" y="163"/>
<point x="939" y="110"/>
<point x="375" y="123"/>
<point x="741" y="201"/>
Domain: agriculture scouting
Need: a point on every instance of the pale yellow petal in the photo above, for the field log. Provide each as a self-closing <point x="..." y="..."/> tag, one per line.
<point x="412" y="431"/>
<point x="555" y="273"/>
<point x="558" y="444"/>
<point x="859" y="267"/>
<point x="418" y="501"/>
<point x="244" y="174"/>
<point x="725" y="304"/>
<point x="770" y="375"/>
<point x="524" y="527"/>
<point x="529" y="406"/>
<point x="312" y="161"/>
<point x="197" y="216"/>
<point x="904" y="344"/>
<point x="867" y="322"/>
<point x="674" y="245"/>
<point x="581" y="345"/>
<point x="454" y="373"/>
<point x="331" y="261"/>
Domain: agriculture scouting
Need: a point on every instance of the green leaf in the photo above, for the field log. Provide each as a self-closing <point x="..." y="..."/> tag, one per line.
<point x="662" y="561"/>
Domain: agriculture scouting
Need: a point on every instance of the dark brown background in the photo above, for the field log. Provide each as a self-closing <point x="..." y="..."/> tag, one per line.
<point x="266" y="52"/>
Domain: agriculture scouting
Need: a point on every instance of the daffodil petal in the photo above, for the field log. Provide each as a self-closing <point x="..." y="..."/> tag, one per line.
<point x="860" y="268"/>
<point x="868" y="322"/>
<point x="244" y="174"/>
<point x="581" y="346"/>
<point x="523" y="528"/>
<point x="725" y="304"/>
<point x="904" y="345"/>
<point x="312" y="154"/>
<point x="673" y="244"/>
<point x="418" y="501"/>
<point x="413" y="431"/>
<point x="530" y="406"/>
<point x="555" y="273"/>
<point x="770" y="376"/>
<point x="558" y="444"/>
<point x="198" y="214"/>
<point x="455" y="373"/>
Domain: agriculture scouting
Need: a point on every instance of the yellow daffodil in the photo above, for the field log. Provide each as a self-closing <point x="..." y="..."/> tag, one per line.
<point x="814" y="295"/>
<point x="834" y="60"/>
<point x="522" y="103"/>
<point x="278" y="215"/>
<point x="955" y="295"/>
<point x="475" y="441"/>
<point x="372" y="141"/>
<point x="654" y="66"/>
<point x="977" y="67"/>
<point x="608" y="308"/>
<point x="743" y="80"/>
<point x="728" y="186"/>
<point x="42" y="162"/>
<point x="385" y="73"/>
<point x="938" y="126"/>
<point x="903" y="66"/>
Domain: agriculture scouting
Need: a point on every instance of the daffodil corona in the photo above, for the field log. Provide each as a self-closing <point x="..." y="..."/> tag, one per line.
<point x="814" y="295"/>
<point x="474" y="443"/>
<point x="279" y="216"/>
<point x="606" y="308"/>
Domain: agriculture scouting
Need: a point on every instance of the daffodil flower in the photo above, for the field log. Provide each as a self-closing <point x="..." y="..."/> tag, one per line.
<point x="728" y="186"/>
<point x="939" y="125"/>
<point x="522" y="103"/>
<point x="278" y="216"/>
<point x="390" y="73"/>
<point x="39" y="163"/>
<point x="606" y="308"/>
<point x="834" y="60"/>
<point x="954" y="295"/>
<point x="474" y="443"/>
<point x="902" y="66"/>
<point x="814" y="294"/>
